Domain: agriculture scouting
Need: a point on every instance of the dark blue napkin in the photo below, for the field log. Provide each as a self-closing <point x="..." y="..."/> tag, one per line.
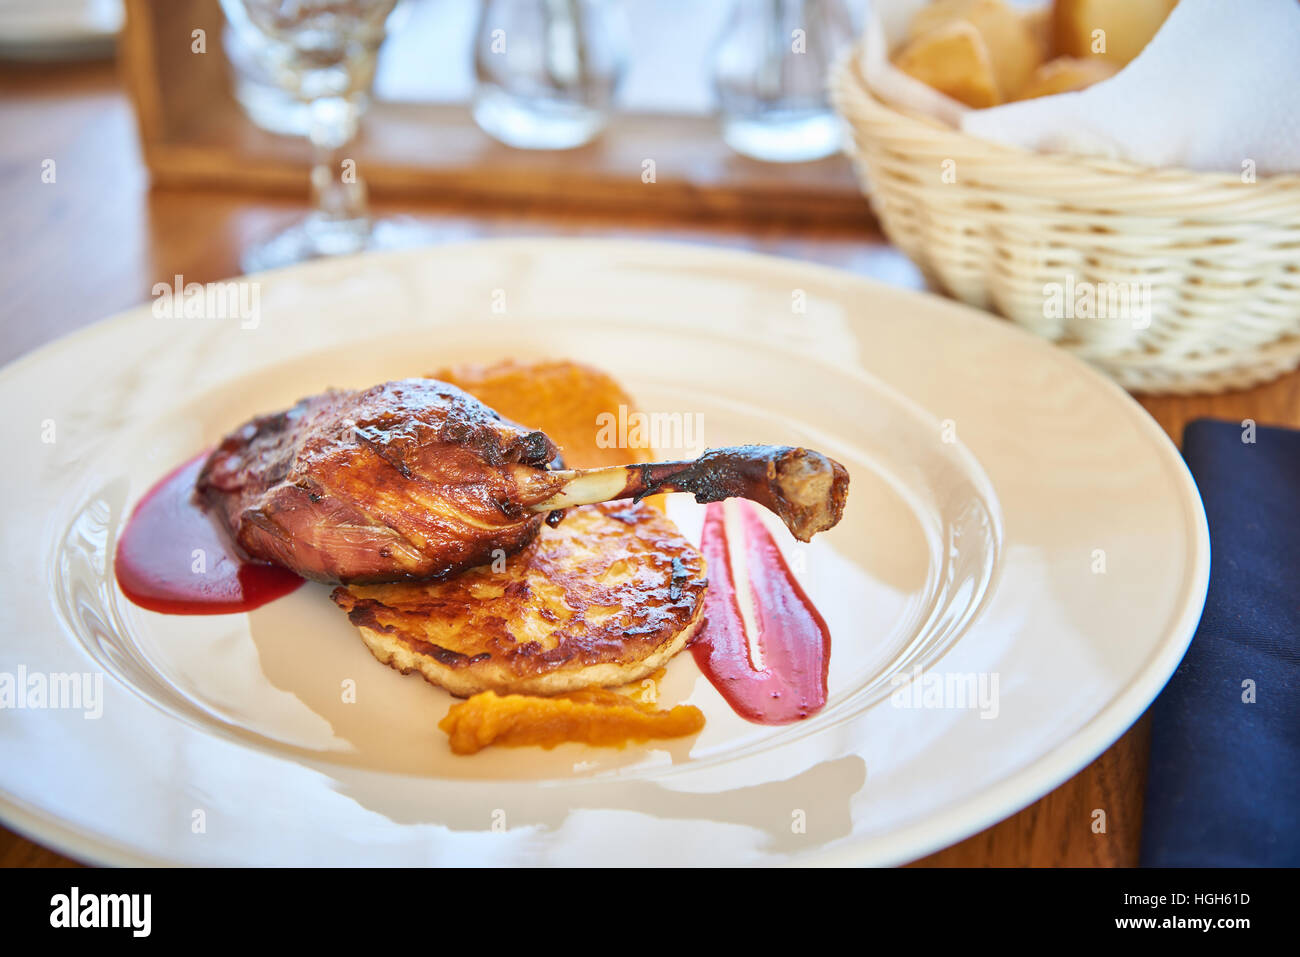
<point x="1224" y="782"/>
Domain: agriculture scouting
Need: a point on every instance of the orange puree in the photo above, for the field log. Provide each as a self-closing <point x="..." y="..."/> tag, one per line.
<point x="595" y="716"/>
<point x="564" y="399"/>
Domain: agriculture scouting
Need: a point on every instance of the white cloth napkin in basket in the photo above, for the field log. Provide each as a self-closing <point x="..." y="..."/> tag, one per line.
<point x="1217" y="89"/>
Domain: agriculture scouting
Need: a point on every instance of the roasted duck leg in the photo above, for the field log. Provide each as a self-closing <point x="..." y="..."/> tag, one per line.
<point x="417" y="480"/>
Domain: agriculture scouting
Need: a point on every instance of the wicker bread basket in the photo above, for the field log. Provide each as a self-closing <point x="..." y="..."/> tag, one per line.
<point x="1212" y="262"/>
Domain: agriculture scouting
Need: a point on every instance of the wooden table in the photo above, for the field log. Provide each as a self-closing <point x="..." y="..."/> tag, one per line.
<point x="95" y="241"/>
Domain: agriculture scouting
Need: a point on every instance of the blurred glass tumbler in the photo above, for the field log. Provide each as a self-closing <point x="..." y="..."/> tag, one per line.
<point x="770" y="67"/>
<point x="320" y="55"/>
<point x="547" y="70"/>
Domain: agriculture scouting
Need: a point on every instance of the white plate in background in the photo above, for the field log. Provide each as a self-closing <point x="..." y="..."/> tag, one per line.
<point x="58" y="30"/>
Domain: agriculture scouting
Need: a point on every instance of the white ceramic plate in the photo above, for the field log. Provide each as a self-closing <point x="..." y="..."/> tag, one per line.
<point x="1014" y="518"/>
<point x="58" y="30"/>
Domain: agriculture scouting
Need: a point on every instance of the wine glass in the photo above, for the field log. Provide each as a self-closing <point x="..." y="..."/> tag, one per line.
<point x="323" y="53"/>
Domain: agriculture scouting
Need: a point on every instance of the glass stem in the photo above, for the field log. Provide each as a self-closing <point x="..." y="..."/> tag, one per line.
<point x="338" y="192"/>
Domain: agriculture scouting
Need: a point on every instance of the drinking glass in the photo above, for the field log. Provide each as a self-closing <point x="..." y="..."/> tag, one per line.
<point x="769" y="69"/>
<point x="264" y="101"/>
<point x="323" y="54"/>
<point x="547" y="69"/>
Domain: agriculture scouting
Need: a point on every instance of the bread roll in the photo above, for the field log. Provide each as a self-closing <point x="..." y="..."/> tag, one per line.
<point x="953" y="59"/>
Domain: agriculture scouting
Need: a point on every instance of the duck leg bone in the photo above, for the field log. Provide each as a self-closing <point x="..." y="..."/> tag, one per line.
<point x="804" y="488"/>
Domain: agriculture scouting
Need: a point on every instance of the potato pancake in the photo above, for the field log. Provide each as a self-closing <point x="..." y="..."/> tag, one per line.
<point x="604" y="598"/>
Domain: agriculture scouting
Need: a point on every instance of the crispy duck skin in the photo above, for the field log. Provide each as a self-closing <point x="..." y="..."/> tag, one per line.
<point x="417" y="480"/>
<point x="409" y="480"/>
